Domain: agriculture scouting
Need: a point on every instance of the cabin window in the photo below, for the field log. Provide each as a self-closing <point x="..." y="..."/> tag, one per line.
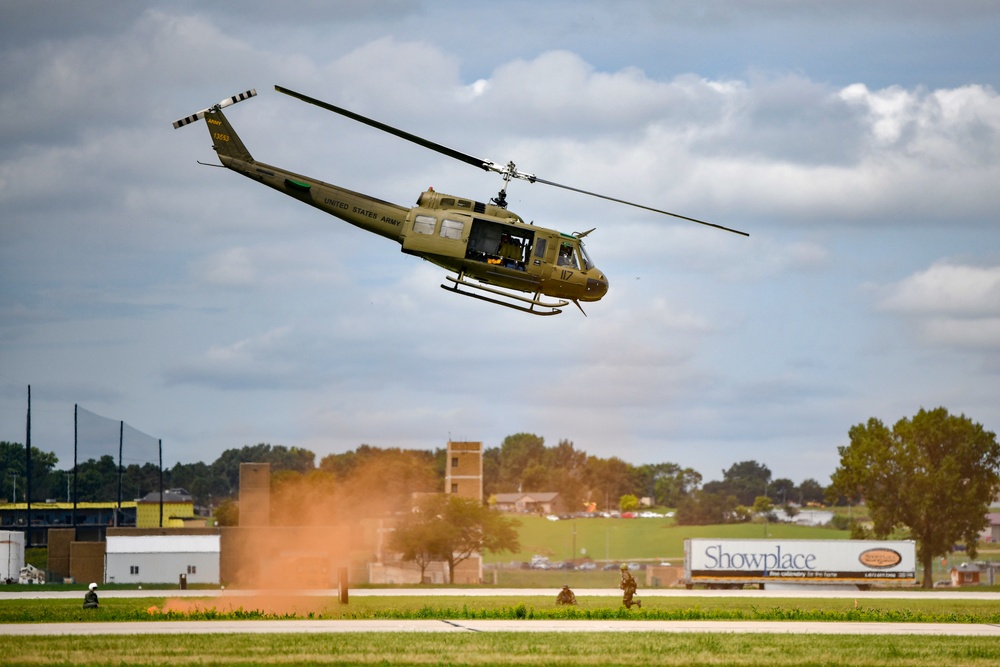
<point x="133" y="569"/>
<point x="192" y="569"/>
<point x="424" y="224"/>
<point x="452" y="229"/>
<point x="448" y="203"/>
<point x="463" y="203"/>
<point x="540" y="247"/>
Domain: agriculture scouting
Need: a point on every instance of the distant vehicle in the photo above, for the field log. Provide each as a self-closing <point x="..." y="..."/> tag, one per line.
<point x="587" y="565"/>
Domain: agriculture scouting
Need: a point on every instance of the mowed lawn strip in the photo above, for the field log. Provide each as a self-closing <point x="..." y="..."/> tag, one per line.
<point x="502" y="649"/>
<point x="502" y="607"/>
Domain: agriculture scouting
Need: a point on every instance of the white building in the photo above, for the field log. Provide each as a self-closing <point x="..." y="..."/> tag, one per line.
<point x="159" y="559"/>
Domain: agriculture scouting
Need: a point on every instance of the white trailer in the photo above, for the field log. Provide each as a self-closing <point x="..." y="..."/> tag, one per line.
<point x="730" y="563"/>
<point x="11" y="555"/>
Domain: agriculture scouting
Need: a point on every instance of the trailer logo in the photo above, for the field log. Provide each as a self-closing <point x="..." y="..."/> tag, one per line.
<point x="880" y="558"/>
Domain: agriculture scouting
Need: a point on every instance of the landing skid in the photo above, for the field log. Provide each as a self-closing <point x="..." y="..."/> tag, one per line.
<point x="554" y="307"/>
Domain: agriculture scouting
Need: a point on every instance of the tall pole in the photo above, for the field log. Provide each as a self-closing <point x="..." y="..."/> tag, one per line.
<point x="161" y="482"/>
<point x="27" y="470"/>
<point x="76" y="446"/>
<point x="121" y="442"/>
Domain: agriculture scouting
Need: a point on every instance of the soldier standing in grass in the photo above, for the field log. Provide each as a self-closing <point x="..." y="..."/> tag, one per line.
<point x="628" y="586"/>
<point x="566" y="596"/>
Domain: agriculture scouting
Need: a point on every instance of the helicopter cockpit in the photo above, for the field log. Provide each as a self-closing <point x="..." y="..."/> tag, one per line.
<point x="572" y="254"/>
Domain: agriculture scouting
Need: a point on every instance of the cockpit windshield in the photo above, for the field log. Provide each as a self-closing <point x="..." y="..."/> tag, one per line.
<point x="585" y="258"/>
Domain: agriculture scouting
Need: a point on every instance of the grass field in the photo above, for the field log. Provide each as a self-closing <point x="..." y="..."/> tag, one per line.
<point x="600" y="648"/>
<point x="636" y="539"/>
<point x="502" y="649"/>
<point x="531" y="607"/>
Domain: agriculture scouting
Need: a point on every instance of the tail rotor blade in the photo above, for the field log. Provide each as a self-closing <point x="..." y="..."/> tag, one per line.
<point x="229" y="101"/>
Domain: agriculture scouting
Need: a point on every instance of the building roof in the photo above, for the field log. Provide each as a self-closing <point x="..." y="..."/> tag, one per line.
<point x="147" y="544"/>
<point x="531" y="497"/>
<point x="169" y="496"/>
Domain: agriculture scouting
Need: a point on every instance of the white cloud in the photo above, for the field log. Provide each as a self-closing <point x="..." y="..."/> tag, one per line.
<point x="952" y="305"/>
<point x="947" y="288"/>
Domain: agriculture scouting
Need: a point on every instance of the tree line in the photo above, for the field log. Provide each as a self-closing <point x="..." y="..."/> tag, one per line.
<point x="932" y="476"/>
<point x="522" y="462"/>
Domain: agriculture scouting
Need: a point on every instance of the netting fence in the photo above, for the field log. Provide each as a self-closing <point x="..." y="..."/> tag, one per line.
<point x="111" y="442"/>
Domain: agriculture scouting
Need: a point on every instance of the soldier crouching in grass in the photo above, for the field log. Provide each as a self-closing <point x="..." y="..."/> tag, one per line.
<point x="566" y="596"/>
<point x="90" y="599"/>
<point x="628" y="586"/>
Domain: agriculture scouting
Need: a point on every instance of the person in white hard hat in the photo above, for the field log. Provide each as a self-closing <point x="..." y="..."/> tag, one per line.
<point x="90" y="599"/>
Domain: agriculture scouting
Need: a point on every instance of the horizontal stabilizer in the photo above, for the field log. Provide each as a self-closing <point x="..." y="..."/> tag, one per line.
<point x="224" y="103"/>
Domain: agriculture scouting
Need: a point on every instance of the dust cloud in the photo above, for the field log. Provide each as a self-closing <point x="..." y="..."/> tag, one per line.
<point x="321" y="524"/>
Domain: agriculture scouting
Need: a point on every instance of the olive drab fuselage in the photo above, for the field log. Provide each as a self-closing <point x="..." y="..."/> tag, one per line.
<point x="475" y="240"/>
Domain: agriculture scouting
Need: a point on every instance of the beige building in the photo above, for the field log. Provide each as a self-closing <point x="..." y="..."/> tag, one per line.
<point x="464" y="470"/>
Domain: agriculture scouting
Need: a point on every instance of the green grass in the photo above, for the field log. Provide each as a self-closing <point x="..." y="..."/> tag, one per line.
<point x="636" y="539"/>
<point x="532" y="607"/>
<point x="501" y="648"/>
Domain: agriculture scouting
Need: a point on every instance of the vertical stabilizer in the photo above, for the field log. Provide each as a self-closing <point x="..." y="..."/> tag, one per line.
<point x="224" y="138"/>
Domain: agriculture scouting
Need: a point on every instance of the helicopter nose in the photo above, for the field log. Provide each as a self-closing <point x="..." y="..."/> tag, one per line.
<point x="597" y="286"/>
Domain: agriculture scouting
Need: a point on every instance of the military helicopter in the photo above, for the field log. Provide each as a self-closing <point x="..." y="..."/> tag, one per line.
<point x="495" y="255"/>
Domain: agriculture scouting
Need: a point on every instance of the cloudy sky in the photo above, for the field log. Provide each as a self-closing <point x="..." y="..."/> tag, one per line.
<point x="857" y="142"/>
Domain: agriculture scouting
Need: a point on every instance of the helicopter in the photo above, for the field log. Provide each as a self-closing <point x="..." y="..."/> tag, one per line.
<point x="494" y="254"/>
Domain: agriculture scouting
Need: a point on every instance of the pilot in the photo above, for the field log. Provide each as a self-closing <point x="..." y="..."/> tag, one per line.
<point x="565" y="256"/>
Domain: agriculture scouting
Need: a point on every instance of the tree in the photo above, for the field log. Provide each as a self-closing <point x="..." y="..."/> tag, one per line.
<point x="46" y="482"/>
<point x="810" y="491"/>
<point x="781" y="490"/>
<point x="763" y="507"/>
<point x="673" y="484"/>
<point x="453" y="528"/>
<point x="228" y="513"/>
<point x="421" y="539"/>
<point x="519" y="452"/>
<point x="746" y="480"/>
<point x="610" y="478"/>
<point x="227" y="466"/>
<point x="936" y="474"/>
<point x="628" y="503"/>
<point x="702" y="508"/>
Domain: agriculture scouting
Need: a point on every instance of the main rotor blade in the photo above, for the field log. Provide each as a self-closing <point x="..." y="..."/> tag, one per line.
<point x="420" y="141"/>
<point x="508" y="171"/>
<point x="647" y="208"/>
